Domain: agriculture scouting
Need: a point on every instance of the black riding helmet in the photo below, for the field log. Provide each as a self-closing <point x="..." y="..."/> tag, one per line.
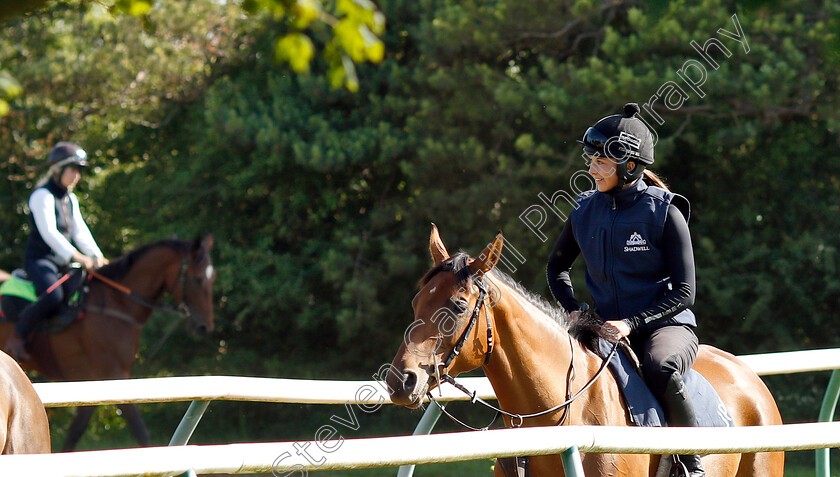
<point x="65" y="154"/>
<point x="622" y="137"/>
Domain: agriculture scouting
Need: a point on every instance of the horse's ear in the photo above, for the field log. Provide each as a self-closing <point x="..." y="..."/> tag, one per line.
<point x="436" y="247"/>
<point x="489" y="257"/>
<point x="207" y="242"/>
<point x="202" y="246"/>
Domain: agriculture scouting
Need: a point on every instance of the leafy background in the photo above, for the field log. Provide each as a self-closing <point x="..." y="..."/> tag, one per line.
<point x="321" y="199"/>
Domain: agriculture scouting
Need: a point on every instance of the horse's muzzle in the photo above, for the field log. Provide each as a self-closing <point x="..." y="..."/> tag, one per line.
<point x="198" y="326"/>
<point x="404" y="390"/>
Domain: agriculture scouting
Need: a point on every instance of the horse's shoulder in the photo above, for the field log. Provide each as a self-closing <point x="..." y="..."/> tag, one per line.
<point x="28" y="429"/>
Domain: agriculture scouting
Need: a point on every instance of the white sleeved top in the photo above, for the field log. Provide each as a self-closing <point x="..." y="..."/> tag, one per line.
<point x="42" y="207"/>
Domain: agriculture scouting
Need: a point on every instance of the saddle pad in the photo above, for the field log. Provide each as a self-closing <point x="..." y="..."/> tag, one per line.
<point x="645" y="409"/>
<point x="15" y="286"/>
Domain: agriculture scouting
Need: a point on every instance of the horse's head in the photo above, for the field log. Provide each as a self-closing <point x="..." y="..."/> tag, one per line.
<point x="443" y="310"/>
<point x="197" y="282"/>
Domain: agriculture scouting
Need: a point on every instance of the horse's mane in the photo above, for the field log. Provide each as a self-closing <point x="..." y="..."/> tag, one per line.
<point x="120" y="267"/>
<point x="587" y="329"/>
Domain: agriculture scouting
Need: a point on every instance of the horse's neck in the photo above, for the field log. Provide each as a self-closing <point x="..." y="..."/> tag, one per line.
<point x="532" y="357"/>
<point x="148" y="277"/>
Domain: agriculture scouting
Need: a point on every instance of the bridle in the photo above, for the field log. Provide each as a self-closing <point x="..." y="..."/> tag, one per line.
<point x="181" y="308"/>
<point x="482" y="294"/>
<point x="516" y="419"/>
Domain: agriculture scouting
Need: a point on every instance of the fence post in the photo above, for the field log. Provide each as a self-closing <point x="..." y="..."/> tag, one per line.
<point x="572" y="465"/>
<point x="187" y="426"/>
<point x="425" y="426"/>
<point x="829" y="404"/>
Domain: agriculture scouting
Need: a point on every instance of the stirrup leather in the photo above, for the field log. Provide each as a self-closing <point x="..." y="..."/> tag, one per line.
<point x="514" y="466"/>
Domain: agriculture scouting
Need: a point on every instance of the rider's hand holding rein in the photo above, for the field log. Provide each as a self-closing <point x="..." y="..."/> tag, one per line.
<point x="621" y="328"/>
<point x="89" y="263"/>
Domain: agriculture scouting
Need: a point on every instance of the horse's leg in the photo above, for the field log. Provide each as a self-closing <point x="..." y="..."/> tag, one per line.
<point x="77" y="427"/>
<point x="135" y="422"/>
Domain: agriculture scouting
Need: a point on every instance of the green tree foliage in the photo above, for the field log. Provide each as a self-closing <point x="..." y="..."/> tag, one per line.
<point x="86" y="76"/>
<point x="355" y="26"/>
<point x="321" y="200"/>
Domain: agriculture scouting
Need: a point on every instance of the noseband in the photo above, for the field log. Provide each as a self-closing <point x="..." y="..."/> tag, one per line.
<point x="516" y="419"/>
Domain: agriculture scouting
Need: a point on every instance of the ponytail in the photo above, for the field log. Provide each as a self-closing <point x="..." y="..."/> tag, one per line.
<point x="655" y="179"/>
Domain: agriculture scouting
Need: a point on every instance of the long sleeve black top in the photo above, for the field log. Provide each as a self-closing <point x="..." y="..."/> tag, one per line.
<point x="679" y="257"/>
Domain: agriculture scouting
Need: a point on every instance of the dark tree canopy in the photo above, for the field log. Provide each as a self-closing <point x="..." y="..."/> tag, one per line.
<point x="321" y="200"/>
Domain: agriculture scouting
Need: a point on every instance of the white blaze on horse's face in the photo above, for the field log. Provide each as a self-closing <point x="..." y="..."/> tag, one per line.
<point x="208" y="272"/>
<point x="432" y="290"/>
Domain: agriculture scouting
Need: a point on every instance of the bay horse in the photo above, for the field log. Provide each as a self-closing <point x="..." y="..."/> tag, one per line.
<point x="24" y="428"/>
<point x="532" y="354"/>
<point x="122" y="296"/>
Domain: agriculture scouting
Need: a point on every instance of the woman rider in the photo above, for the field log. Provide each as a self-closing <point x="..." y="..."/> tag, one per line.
<point x="639" y="260"/>
<point x="56" y="224"/>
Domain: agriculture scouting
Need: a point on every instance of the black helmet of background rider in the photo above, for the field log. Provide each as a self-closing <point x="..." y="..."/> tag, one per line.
<point x="623" y="137"/>
<point x="65" y="154"/>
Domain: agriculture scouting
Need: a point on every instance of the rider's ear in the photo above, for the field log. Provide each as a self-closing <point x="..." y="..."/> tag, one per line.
<point x="489" y="257"/>
<point x="436" y="247"/>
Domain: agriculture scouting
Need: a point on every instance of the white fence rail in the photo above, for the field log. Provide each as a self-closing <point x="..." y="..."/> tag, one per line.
<point x="231" y="388"/>
<point x="393" y="451"/>
<point x="234" y="388"/>
<point x="790" y="362"/>
<point x="286" y="457"/>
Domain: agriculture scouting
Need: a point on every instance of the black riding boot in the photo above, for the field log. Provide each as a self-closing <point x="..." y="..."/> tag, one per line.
<point x="681" y="414"/>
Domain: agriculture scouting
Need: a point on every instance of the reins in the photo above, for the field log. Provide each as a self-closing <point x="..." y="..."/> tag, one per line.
<point x="181" y="308"/>
<point x="516" y="419"/>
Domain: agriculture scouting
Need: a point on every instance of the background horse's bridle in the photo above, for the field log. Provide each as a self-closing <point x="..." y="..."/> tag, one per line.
<point x="516" y="420"/>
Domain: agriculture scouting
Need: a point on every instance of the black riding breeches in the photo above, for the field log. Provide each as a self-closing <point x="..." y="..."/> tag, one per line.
<point x="44" y="273"/>
<point x="663" y="352"/>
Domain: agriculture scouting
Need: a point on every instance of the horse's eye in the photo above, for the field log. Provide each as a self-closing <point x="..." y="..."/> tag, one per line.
<point x="461" y="306"/>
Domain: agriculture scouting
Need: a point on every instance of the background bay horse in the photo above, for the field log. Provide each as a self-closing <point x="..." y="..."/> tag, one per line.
<point x="104" y="344"/>
<point x="531" y="359"/>
<point x="24" y="428"/>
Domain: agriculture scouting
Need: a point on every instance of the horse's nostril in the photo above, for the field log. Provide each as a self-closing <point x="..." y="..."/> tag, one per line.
<point x="410" y="381"/>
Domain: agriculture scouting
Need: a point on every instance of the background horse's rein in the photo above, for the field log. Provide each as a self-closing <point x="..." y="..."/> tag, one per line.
<point x="181" y="308"/>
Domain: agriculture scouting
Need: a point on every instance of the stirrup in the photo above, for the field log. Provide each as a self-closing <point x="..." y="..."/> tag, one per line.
<point x="678" y="469"/>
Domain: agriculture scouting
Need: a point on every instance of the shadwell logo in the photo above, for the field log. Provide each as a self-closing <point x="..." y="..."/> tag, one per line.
<point x="636" y="243"/>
